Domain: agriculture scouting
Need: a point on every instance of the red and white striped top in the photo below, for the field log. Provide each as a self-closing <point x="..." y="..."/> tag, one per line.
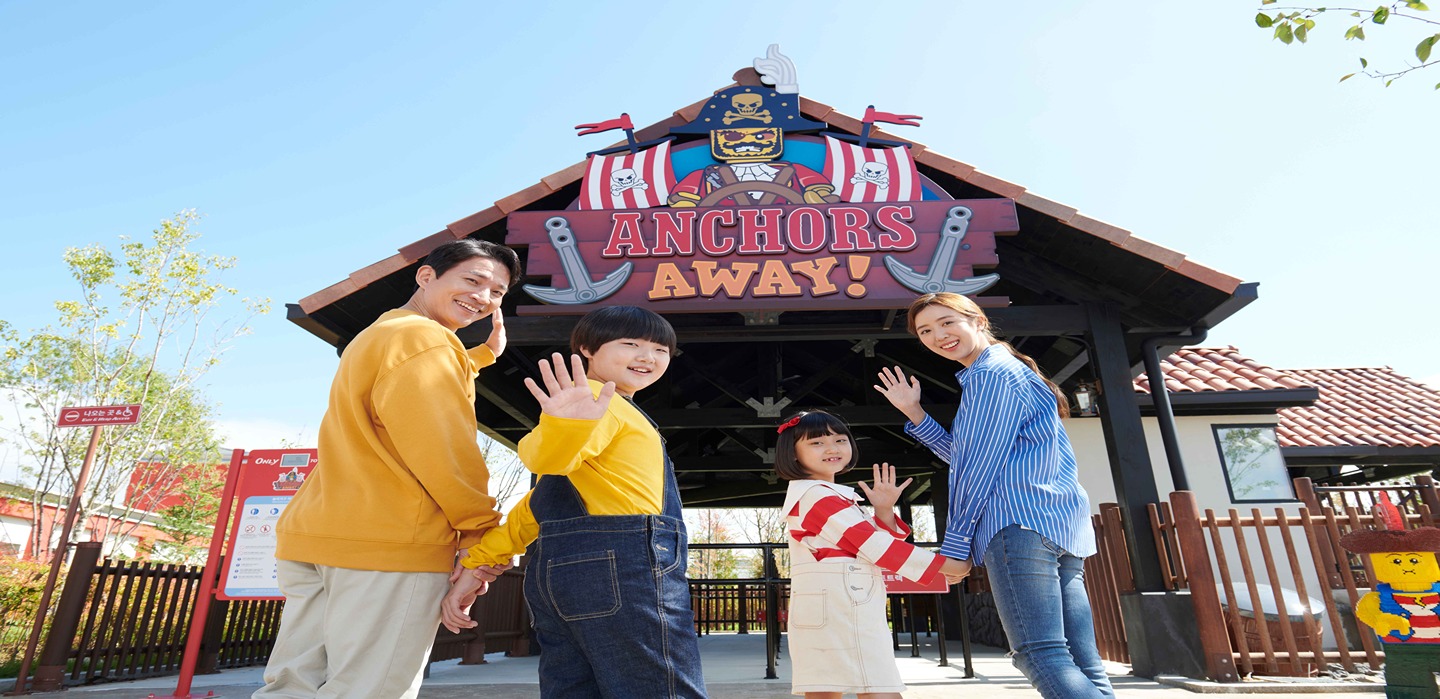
<point x="826" y="521"/>
<point x="1424" y="621"/>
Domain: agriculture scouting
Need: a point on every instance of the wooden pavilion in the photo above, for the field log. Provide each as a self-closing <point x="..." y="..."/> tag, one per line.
<point x="1088" y="300"/>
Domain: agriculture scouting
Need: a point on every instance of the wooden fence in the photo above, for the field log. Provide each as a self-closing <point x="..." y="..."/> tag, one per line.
<point x="123" y="620"/>
<point x="1235" y="564"/>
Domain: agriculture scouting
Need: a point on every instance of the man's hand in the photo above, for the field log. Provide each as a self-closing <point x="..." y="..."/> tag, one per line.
<point x="489" y="574"/>
<point x="455" y="608"/>
<point x="564" y="396"/>
<point x="496" y="341"/>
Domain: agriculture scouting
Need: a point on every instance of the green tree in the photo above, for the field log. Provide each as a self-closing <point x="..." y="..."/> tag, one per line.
<point x="708" y="526"/>
<point x="190" y="521"/>
<point x="1291" y="24"/>
<point x="141" y="331"/>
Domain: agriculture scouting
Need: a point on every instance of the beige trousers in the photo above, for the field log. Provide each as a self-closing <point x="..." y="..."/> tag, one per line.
<point x="352" y="633"/>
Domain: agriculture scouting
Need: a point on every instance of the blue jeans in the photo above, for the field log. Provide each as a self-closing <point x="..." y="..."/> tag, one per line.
<point x="1039" y="592"/>
<point x="610" y="600"/>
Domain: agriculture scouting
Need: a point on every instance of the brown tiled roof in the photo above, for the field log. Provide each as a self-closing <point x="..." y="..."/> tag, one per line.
<point x="552" y="183"/>
<point x="1357" y="407"/>
<point x="1202" y="369"/>
<point x="1363" y="407"/>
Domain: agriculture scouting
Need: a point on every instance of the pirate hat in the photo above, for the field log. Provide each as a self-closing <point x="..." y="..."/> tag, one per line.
<point x="750" y="106"/>
<point x="1388" y="540"/>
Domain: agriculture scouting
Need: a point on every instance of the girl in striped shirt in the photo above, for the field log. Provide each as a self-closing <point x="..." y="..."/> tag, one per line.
<point x="839" y="641"/>
<point x="1016" y="505"/>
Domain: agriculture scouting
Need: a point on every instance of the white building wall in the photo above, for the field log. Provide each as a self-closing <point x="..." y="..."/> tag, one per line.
<point x="1207" y="480"/>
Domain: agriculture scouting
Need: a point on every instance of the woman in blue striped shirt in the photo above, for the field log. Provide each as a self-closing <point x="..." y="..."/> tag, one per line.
<point x="1016" y="506"/>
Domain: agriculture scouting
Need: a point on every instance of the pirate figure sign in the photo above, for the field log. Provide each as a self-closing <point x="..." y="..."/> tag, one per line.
<point x="747" y="126"/>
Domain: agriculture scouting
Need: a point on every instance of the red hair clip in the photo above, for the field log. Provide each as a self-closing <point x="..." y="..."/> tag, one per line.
<point x="788" y="424"/>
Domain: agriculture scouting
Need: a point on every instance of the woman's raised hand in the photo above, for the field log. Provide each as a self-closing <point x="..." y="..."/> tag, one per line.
<point x="884" y="494"/>
<point x="903" y="392"/>
<point x="563" y="395"/>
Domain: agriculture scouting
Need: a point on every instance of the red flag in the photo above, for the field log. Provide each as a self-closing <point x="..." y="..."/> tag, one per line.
<point x="622" y="123"/>
<point x="891" y="118"/>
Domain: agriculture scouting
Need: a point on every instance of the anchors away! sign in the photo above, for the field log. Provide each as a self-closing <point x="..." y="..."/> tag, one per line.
<point x="754" y="213"/>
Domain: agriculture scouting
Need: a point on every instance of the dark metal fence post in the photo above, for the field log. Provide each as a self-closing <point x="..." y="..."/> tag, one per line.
<point x="772" y="613"/>
<point x="50" y="673"/>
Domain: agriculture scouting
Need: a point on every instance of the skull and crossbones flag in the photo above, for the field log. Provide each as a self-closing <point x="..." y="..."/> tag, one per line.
<point x="628" y="180"/>
<point x="871" y="174"/>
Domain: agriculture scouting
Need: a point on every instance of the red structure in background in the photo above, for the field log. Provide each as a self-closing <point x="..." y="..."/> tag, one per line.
<point x="153" y="487"/>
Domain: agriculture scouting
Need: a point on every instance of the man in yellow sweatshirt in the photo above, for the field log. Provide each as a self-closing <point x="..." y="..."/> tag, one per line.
<point x="367" y="546"/>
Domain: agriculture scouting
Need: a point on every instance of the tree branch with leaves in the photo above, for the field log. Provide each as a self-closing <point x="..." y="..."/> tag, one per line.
<point x="1291" y="24"/>
<point x="141" y="331"/>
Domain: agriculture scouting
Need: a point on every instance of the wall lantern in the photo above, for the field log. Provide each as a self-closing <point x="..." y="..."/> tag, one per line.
<point x="1085" y="401"/>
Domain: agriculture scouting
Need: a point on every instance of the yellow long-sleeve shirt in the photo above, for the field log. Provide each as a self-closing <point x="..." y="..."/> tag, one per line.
<point x="616" y="463"/>
<point x="401" y="483"/>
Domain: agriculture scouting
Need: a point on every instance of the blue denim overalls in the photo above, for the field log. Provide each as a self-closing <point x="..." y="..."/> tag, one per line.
<point x="610" y="599"/>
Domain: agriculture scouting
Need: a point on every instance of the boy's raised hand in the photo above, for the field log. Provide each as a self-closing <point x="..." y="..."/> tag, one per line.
<point x="563" y="395"/>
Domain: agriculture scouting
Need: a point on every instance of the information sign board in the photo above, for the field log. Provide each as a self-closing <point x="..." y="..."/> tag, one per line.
<point x="92" y="415"/>
<point x="268" y="481"/>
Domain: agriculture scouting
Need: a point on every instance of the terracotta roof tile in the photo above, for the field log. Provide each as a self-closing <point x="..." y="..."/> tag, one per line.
<point x="475" y="222"/>
<point x="529" y="195"/>
<point x="328" y="295"/>
<point x="1209" y="369"/>
<point x="420" y="248"/>
<point x="1366" y="406"/>
<point x="1357" y="407"/>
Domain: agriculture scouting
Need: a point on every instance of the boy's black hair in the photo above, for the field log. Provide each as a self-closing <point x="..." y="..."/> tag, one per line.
<point x="442" y="258"/>
<point x="809" y="425"/>
<point x="611" y="323"/>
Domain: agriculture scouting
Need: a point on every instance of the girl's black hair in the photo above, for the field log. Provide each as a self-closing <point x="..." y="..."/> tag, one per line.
<point x="811" y="424"/>
<point x="442" y="258"/>
<point x="611" y="323"/>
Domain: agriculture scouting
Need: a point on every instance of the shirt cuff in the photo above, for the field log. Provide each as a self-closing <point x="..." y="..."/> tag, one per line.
<point x="927" y="431"/>
<point x="900" y="531"/>
<point x="957" y="548"/>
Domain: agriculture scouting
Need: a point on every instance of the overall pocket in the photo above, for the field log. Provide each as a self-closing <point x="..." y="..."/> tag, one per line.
<point x="807" y="610"/>
<point x="584" y="585"/>
<point x="860" y="583"/>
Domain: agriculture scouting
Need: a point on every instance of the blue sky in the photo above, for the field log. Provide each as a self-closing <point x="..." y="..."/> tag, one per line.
<point x="316" y="138"/>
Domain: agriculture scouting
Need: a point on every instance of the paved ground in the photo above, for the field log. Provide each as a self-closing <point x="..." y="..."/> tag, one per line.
<point x="735" y="667"/>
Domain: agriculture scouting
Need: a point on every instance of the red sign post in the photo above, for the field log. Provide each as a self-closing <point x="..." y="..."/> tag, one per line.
<point x="263" y="483"/>
<point x="95" y="417"/>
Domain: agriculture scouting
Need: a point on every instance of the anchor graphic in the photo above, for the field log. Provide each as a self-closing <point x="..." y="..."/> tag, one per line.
<point x="584" y="289"/>
<point x="937" y="278"/>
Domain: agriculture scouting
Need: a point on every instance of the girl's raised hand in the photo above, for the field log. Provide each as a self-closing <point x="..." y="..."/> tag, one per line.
<point x="497" y="339"/>
<point x="884" y="494"/>
<point x="903" y="392"/>
<point x="564" y="396"/>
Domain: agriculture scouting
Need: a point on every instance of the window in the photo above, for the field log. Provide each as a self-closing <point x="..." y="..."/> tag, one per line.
<point x="1254" y="469"/>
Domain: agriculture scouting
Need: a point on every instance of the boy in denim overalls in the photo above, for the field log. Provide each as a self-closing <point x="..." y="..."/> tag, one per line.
<point x="606" y="578"/>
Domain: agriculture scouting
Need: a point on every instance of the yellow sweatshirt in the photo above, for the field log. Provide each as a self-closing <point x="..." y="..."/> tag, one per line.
<point x="616" y="463"/>
<point x="401" y="483"/>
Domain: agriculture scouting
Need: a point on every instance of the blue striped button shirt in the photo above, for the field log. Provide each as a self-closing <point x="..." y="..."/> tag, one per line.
<point x="1010" y="461"/>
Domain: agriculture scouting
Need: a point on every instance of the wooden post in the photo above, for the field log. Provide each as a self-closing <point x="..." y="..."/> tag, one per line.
<point x="1305" y="491"/>
<point x="55" y="562"/>
<point x="1214" y="642"/>
<point x="50" y="673"/>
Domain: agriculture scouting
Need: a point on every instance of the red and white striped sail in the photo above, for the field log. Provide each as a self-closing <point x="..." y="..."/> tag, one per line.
<point x="871" y="174"/>
<point x="628" y="180"/>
